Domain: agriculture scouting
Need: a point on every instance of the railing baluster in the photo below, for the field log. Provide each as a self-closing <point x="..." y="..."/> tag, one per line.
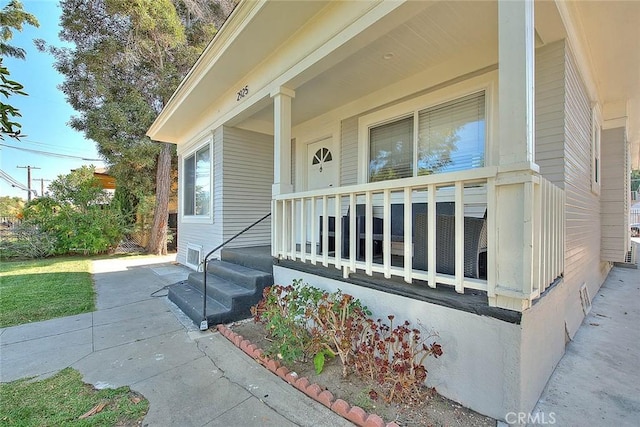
<point x="285" y="229"/>
<point x="431" y="233"/>
<point x="303" y="231"/>
<point x="459" y="237"/>
<point x="491" y="237"/>
<point x="325" y="231"/>
<point x="337" y="235"/>
<point x="408" y="235"/>
<point x="353" y="233"/>
<point x="314" y="230"/>
<point x="386" y="233"/>
<point x="293" y="229"/>
<point x="368" y="222"/>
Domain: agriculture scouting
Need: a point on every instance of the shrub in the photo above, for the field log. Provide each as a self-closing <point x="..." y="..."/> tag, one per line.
<point x="95" y="229"/>
<point x="336" y="317"/>
<point x="27" y="242"/>
<point x="282" y="312"/>
<point x="394" y="357"/>
<point x="304" y="320"/>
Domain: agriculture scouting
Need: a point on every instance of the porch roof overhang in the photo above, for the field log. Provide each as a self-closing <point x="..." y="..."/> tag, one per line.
<point x="606" y="37"/>
<point x="604" y="34"/>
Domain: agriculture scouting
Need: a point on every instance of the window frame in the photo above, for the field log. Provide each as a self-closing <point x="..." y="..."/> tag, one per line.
<point x="182" y="181"/>
<point x="414" y="106"/>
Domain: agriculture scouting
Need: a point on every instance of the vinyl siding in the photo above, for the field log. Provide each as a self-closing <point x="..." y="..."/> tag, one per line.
<point x="582" y="238"/>
<point x="614" y="195"/>
<point x="549" y="150"/>
<point x="247" y="176"/>
<point x="207" y="235"/>
<point x="349" y="151"/>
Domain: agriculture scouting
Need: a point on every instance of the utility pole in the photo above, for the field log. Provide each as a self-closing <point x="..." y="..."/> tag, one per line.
<point x="42" y="181"/>
<point x="28" y="168"/>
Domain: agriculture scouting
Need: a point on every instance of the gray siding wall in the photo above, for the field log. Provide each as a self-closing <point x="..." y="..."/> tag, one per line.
<point x="582" y="238"/>
<point x="205" y="234"/>
<point x="349" y="151"/>
<point x="247" y="176"/>
<point x="550" y="94"/>
<point x="614" y="195"/>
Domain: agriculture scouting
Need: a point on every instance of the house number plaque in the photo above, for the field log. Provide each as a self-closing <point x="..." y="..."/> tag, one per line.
<point x="242" y="93"/>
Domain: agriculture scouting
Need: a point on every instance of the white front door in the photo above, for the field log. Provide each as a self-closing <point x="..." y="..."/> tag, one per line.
<point x="322" y="165"/>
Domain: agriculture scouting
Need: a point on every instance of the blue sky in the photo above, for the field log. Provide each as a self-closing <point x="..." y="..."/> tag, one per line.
<point x="45" y="113"/>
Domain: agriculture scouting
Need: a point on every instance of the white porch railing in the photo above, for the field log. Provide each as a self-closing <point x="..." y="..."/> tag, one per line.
<point x="359" y="235"/>
<point x="549" y="230"/>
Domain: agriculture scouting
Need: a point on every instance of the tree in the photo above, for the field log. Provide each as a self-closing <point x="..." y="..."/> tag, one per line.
<point x="635" y="180"/>
<point x="76" y="218"/>
<point x="80" y="188"/>
<point x="10" y="207"/>
<point x="12" y="17"/>
<point x="129" y="57"/>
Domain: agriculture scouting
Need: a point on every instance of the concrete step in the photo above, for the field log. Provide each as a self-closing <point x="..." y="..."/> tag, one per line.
<point x="252" y="279"/>
<point x="229" y="294"/>
<point x="189" y="300"/>
<point x="258" y="257"/>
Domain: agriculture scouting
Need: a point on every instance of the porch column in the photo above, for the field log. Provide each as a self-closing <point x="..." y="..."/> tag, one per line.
<point x="511" y="282"/>
<point x="282" y="140"/>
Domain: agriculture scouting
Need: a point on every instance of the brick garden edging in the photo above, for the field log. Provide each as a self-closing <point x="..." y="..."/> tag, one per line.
<point x="355" y="414"/>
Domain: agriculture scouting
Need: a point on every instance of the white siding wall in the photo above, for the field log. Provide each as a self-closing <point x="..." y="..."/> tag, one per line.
<point x="550" y="94"/>
<point x="349" y="151"/>
<point x="247" y="178"/>
<point x="614" y="195"/>
<point x="582" y="239"/>
<point x="209" y="234"/>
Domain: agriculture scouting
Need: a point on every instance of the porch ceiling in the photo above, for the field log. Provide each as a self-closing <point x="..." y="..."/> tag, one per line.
<point x="433" y="32"/>
<point x="414" y="38"/>
<point x="429" y="34"/>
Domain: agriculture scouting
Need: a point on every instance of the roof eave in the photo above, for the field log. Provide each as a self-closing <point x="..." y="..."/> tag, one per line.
<point x="239" y="18"/>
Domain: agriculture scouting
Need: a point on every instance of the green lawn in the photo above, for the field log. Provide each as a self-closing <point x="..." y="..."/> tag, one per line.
<point x="62" y="399"/>
<point x="36" y="290"/>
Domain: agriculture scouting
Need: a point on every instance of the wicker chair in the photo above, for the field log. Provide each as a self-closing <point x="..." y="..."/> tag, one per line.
<point x="475" y="238"/>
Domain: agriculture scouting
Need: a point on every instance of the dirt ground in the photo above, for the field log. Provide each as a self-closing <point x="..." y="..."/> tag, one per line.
<point x="434" y="410"/>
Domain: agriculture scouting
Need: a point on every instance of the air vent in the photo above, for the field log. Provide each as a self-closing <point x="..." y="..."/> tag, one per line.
<point x="194" y="256"/>
<point x="585" y="300"/>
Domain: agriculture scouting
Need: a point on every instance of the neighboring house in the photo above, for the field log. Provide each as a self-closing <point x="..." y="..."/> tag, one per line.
<point x="108" y="182"/>
<point x="490" y="140"/>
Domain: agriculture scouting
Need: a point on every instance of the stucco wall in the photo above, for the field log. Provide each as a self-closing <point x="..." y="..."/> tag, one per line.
<point x="479" y="367"/>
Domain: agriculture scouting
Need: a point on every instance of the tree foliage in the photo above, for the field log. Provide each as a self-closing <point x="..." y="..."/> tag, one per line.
<point x="128" y="58"/>
<point x="10" y="207"/>
<point x="12" y="17"/>
<point x="77" y="218"/>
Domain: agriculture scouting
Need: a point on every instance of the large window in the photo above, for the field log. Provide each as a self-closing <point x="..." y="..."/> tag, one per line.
<point x="197" y="183"/>
<point x="448" y="137"/>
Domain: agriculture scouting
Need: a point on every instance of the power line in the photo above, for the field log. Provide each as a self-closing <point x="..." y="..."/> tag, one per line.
<point x="11" y="180"/>
<point x="47" y="153"/>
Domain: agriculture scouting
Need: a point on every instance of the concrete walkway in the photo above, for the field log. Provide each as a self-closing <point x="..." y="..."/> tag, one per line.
<point x="597" y="382"/>
<point x="191" y="378"/>
<point x="200" y="379"/>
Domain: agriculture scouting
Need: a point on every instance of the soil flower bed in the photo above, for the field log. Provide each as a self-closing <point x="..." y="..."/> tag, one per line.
<point x="366" y="371"/>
